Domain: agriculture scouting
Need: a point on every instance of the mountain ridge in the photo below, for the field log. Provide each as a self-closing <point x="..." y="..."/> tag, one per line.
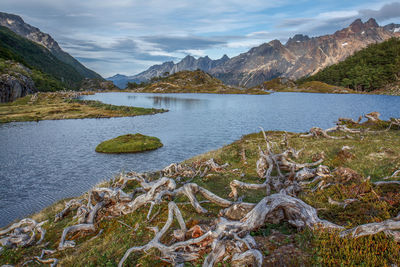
<point x="16" y="24"/>
<point x="187" y="63"/>
<point x="300" y="56"/>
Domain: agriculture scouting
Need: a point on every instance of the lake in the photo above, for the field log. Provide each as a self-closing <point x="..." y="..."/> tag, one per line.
<point x="42" y="162"/>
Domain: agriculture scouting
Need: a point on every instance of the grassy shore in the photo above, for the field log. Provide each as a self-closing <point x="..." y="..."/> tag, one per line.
<point x="375" y="155"/>
<point x="58" y="106"/>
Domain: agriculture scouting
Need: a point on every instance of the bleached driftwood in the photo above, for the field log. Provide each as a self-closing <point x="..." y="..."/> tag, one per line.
<point x="228" y="236"/>
<point x="22" y="233"/>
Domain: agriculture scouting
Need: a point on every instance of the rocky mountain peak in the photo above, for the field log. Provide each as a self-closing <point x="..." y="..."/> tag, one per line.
<point x="224" y="57"/>
<point x="275" y="43"/>
<point x="188" y="58"/>
<point x="10" y="19"/>
<point x="18" y="25"/>
<point x="371" y="23"/>
<point x="298" y="38"/>
<point x="358" y="25"/>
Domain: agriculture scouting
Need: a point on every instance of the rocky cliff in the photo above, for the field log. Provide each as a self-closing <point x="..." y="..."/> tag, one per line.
<point x="15" y="82"/>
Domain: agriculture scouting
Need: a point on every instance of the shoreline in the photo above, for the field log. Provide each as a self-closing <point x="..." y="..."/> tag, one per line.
<point x="362" y="157"/>
<point x="64" y="105"/>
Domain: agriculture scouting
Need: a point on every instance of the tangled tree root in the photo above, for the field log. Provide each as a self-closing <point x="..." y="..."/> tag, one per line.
<point x="290" y="182"/>
<point x="372" y="118"/>
<point x="22" y="234"/>
<point x="388" y="227"/>
<point x="233" y="236"/>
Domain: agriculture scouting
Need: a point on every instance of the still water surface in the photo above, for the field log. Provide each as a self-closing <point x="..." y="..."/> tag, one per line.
<point x="46" y="161"/>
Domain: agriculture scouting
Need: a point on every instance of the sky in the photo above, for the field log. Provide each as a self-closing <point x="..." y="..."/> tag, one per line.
<point x="128" y="36"/>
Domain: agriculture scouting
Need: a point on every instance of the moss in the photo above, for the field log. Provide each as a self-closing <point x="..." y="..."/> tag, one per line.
<point x="376" y="250"/>
<point x="129" y="143"/>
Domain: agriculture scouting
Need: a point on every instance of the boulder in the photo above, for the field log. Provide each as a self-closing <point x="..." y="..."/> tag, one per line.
<point x="15" y="85"/>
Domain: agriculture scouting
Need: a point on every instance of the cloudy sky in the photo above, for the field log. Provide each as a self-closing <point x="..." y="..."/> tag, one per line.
<point x="128" y="36"/>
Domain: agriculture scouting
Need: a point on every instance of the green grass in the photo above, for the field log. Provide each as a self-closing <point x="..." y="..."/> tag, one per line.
<point x="129" y="143"/>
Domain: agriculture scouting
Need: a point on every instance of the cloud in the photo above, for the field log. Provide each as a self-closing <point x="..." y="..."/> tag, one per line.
<point x="388" y="11"/>
<point x="175" y="43"/>
<point x="287" y="23"/>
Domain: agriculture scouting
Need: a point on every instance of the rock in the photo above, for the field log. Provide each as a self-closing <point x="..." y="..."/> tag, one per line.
<point x="15" y="85"/>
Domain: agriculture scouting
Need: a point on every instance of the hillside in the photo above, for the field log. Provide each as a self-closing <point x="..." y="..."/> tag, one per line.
<point x="189" y="82"/>
<point x="33" y="55"/>
<point x="287" y="85"/>
<point x="375" y="67"/>
<point x="17" y="25"/>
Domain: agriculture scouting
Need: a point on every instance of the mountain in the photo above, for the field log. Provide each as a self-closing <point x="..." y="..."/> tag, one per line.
<point x="17" y="25"/>
<point x="300" y="56"/>
<point x="40" y="60"/>
<point x="169" y="67"/>
<point x="392" y="27"/>
<point x="372" y="68"/>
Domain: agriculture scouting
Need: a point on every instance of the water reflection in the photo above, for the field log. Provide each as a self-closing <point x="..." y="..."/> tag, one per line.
<point x="166" y="101"/>
<point x="175" y="102"/>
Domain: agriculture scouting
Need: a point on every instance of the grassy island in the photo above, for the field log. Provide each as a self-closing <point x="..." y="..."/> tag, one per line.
<point x="330" y="196"/>
<point x="63" y="105"/>
<point x="129" y="143"/>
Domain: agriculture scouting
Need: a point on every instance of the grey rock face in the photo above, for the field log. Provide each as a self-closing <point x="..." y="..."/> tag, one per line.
<point x="392" y="27"/>
<point x="15" y="85"/>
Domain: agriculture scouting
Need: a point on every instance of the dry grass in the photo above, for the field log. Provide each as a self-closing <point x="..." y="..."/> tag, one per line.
<point x="58" y="106"/>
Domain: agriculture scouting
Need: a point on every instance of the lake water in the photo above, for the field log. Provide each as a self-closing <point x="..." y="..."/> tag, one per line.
<point x="46" y="161"/>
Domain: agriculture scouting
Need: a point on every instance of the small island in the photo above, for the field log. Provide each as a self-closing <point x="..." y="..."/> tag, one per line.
<point x="129" y="143"/>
